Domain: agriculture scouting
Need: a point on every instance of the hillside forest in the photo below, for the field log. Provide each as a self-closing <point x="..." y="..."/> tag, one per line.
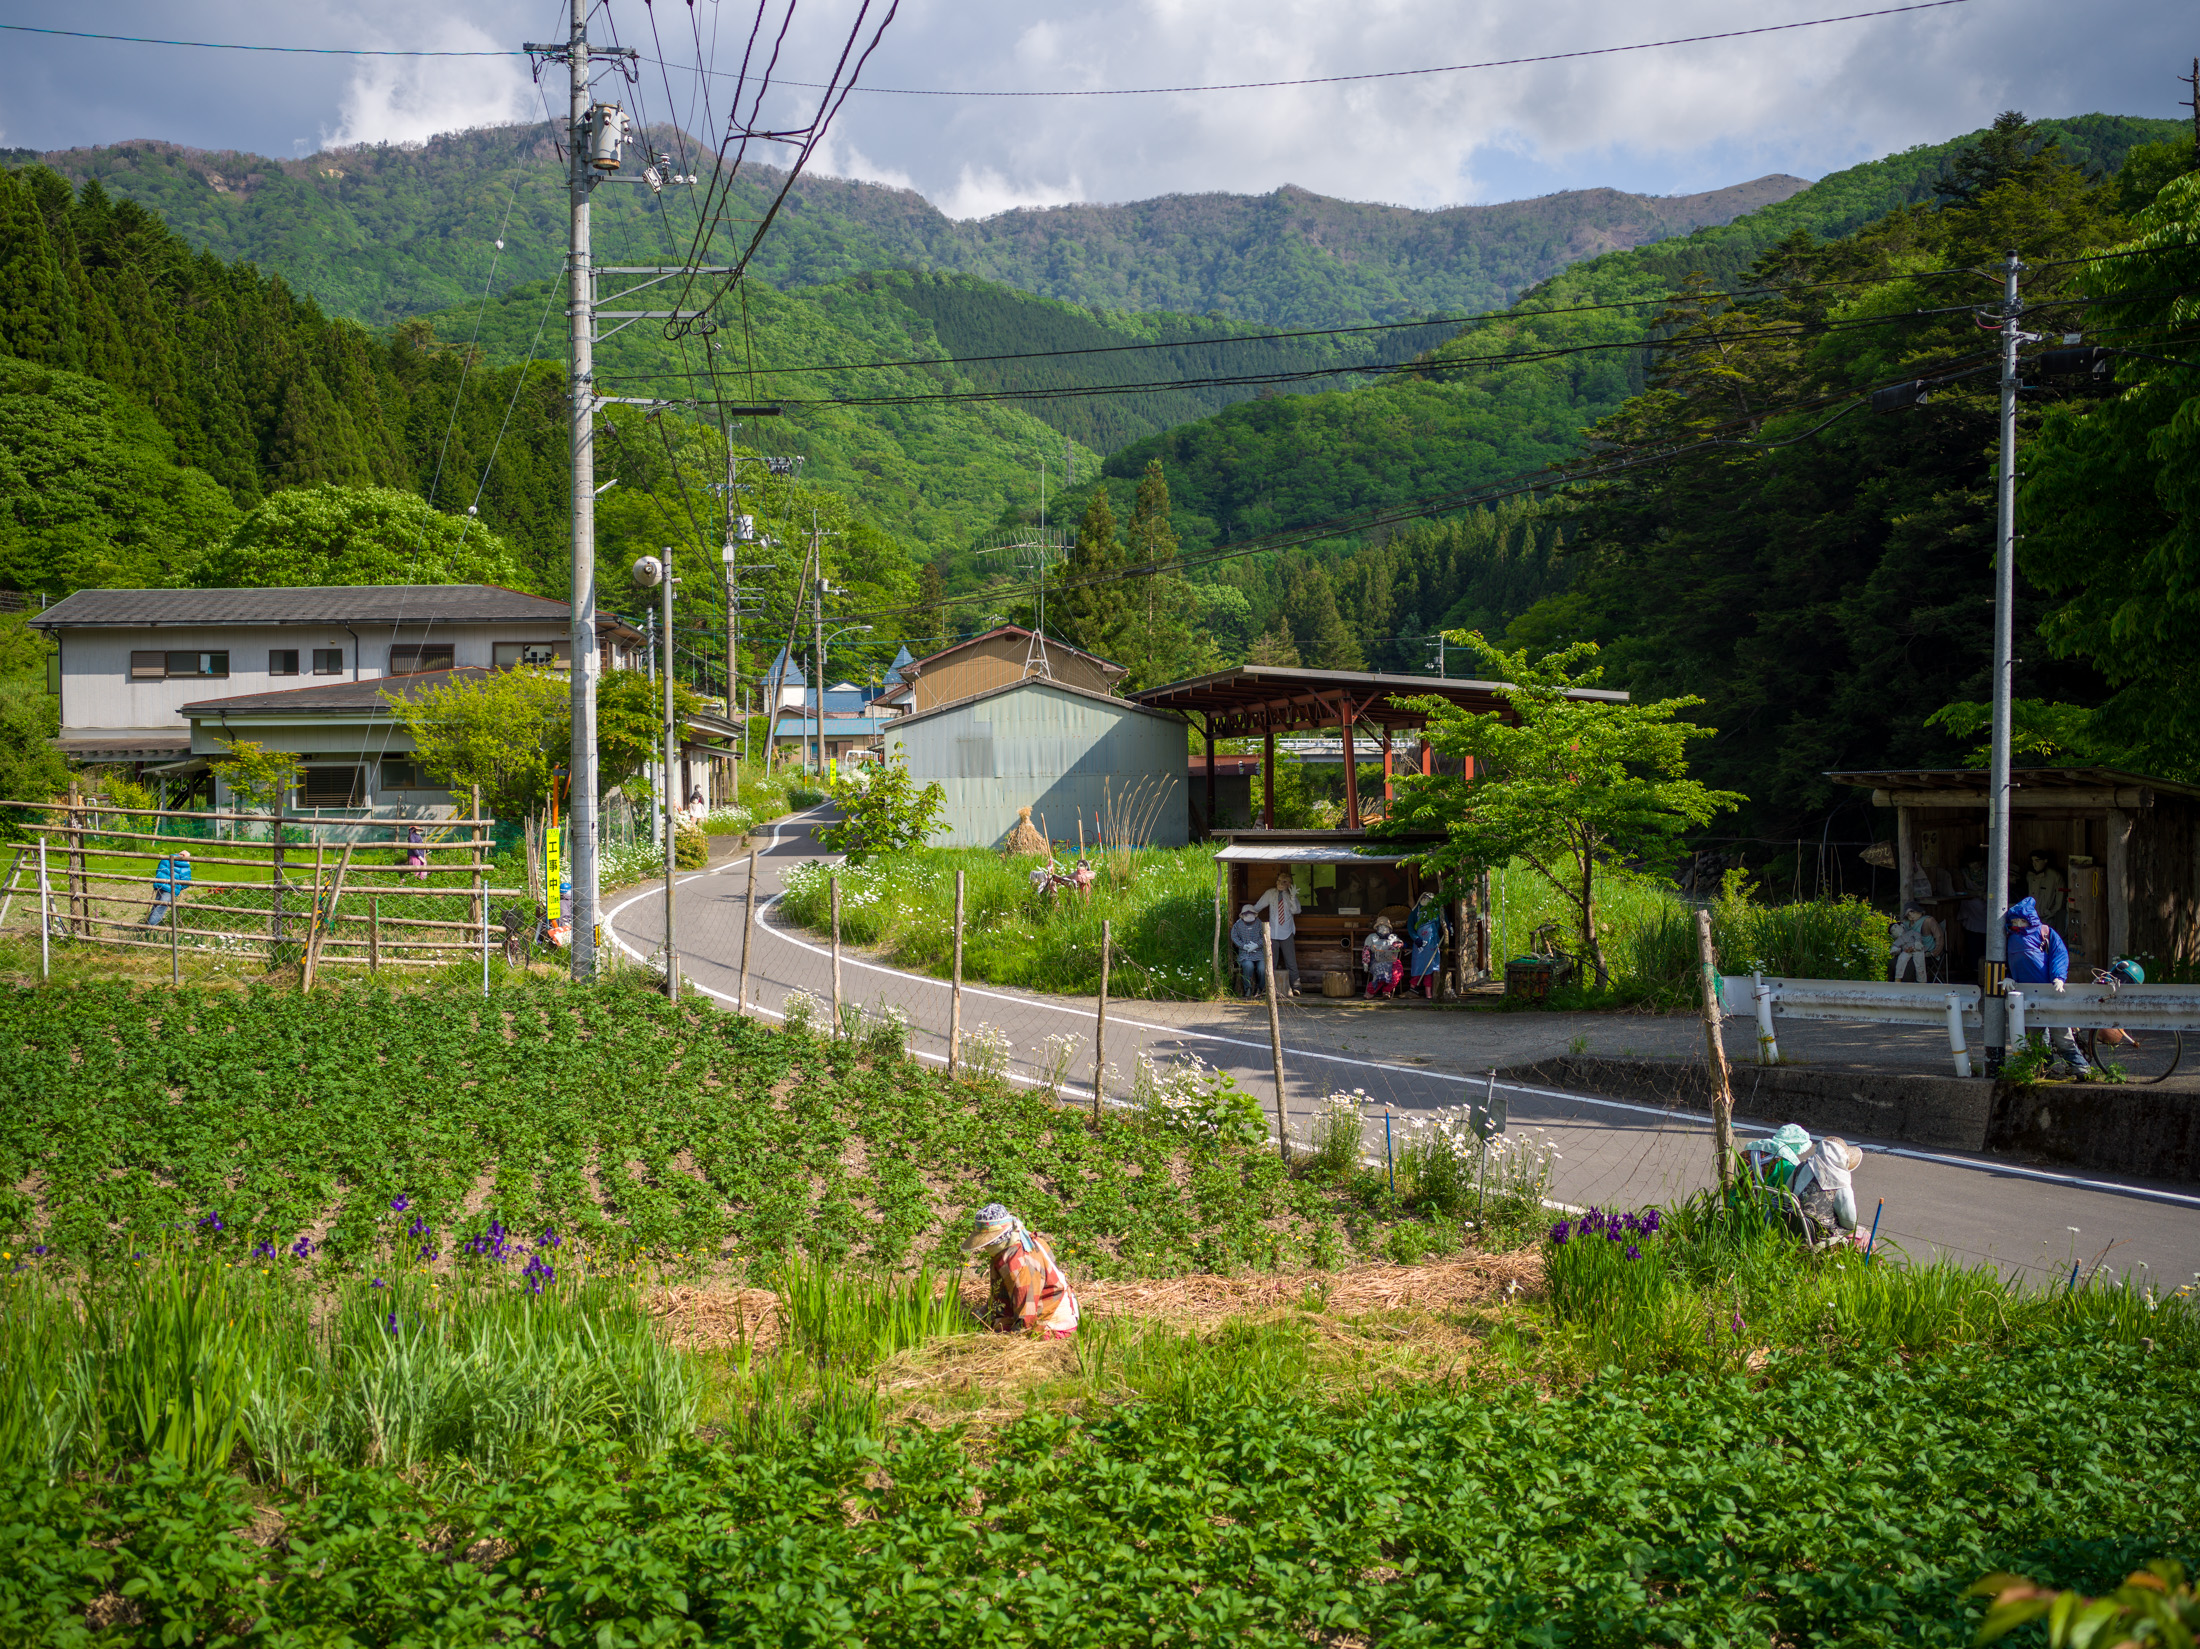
<point x="1816" y="573"/>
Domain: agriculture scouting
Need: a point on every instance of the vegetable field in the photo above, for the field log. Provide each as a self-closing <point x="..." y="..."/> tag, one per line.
<point x="682" y="1140"/>
<point x="1827" y="1505"/>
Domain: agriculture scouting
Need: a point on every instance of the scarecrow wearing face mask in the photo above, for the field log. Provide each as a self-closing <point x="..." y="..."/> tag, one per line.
<point x="1381" y="953"/>
<point x="1030" y="1294"/>
<point x="1245" y="944"/>
<point x="1429" y="931"/>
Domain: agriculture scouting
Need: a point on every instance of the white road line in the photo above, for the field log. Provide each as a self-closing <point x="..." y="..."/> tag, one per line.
<point x="758" y="912"/>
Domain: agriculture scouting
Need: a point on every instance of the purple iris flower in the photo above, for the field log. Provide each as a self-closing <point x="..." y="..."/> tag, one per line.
<point x="1633" y="1253"/>
<point x="390" y="1322"/>
<point x="264" y="1251"/>
<point x="303" y="1248"/>
<point x="1559" y="1233"/>
<point x="212" y="1222"/>
<point x="378" y="1283"/>
<point x="399" y="1204"/>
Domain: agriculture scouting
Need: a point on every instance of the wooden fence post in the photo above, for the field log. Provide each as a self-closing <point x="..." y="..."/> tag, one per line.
<point x="374" y="936"/>
<point x="1714" y="1035"/>
<point x="1100" y="1023"/>
<point x="1222" y="882"/>
<point x="45" y="915"/>
<point x="748" y="921"/>
<point x="955" y="991"/>
<point x="1275" y="1030"/>
<point x="80" y="914"/>
<point x="324" y="915"/>
<point x="836" y="955"/>
<point x="175" y="943"/>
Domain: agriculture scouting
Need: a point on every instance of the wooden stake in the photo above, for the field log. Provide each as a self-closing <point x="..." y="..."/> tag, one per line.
<point x="374" y="936"/>
<point x="79" y="894"/>
<point x="175" y="944"/>
<point x="1714" y="1036"/>
<point x="748" y="921"/>
<point x="1100" y="1024"/>
<point x="836" y="955"/>
<point x="955" y="992"/>
<point x="325" y="917"/>
<point x="1275" y="1029"/>
<point x="1222" y="888"/>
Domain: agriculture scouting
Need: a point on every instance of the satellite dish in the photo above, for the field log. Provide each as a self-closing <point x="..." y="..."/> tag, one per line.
<point x="649" y="572"/>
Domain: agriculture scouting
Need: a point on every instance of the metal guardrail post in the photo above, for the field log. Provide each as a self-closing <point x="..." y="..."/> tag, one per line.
<point x="1956" y="1047"/>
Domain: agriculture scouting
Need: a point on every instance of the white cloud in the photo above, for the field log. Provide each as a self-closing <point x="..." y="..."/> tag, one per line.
<point x="403" y="100"/>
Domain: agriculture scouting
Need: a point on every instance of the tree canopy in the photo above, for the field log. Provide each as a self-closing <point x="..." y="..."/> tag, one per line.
<point x="356" y="535"/>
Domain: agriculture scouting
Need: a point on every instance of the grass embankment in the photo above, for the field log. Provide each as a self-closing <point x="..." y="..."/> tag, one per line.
<point x="1161" y="902"/>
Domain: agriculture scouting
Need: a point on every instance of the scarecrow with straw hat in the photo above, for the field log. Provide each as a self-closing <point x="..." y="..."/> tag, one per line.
<point x="1030" y="1294"/>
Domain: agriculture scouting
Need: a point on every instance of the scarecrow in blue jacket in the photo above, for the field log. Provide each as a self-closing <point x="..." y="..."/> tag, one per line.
<point x="1429" y="930"/>
<point x="2038" y="956"/>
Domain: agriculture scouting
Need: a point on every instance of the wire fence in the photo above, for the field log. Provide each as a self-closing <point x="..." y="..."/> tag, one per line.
<point x="168" y="893"/>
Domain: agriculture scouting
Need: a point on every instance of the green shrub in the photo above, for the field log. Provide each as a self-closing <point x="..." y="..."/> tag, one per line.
<point x="690" y="848"/>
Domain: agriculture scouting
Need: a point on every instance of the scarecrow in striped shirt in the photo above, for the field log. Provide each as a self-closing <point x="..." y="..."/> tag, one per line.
<point x="1030" y="1294"/>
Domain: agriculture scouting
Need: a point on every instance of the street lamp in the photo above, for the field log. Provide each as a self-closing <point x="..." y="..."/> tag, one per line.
<point x="652" y="573"/>
<point x="822" y="638"/>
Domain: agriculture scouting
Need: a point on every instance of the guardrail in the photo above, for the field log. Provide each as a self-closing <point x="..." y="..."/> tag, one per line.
<point x="2081" y="1007"/>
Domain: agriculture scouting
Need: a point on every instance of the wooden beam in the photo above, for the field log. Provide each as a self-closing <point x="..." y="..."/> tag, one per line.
<point x="1210" y="777"/>
<point x="1268" y="779"/>
<point x="2117" y="892"/>
<point x="2020" y="799"/>
<point x="1351" y="766"/>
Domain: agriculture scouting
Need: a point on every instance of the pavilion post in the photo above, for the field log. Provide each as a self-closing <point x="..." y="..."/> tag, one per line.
<point x="1386" y="769"/>
<point x="1351" y="766"/>
<point x="1428" y="753"/>
<point x="1210" y="772"/>
<point x="1268" y="779"/>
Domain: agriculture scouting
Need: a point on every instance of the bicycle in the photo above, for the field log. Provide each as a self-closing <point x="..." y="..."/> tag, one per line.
<point x="2123" y="1039"/>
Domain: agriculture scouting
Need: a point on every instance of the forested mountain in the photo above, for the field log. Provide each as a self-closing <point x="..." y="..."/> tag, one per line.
<point x="380" y="232"/>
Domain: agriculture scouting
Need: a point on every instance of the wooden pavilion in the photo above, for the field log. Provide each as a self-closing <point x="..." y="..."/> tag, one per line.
<point x="1263" y="700"/>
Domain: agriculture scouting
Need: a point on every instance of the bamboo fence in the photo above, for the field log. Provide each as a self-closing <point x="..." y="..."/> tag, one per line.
<point x="329" y="894"/>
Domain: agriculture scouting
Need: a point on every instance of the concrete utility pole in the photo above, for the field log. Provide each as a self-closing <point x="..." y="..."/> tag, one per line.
<point x="593" y="140"/>
<point x="672" y="802"/>
<point x="817" y="619"/>
<point x="1994" y="973"/>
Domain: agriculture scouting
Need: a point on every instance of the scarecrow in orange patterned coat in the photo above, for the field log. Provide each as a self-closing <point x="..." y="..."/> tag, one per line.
<point x="1029" y="1291"/>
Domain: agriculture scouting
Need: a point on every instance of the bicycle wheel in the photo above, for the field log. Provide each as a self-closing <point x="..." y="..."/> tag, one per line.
<point x="2176" y="1052"/>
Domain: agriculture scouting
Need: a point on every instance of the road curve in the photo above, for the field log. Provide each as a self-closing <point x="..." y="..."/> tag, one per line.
<point x="1611" y="1151"/>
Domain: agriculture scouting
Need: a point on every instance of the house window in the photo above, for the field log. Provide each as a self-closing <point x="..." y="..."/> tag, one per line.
<point x="536" y="655"/>
<point x="178" y="666"/>
<point x="327" y="661"/>
<point x="282" y="661"/>
<point x="412" y="658"/>
<point x="334" y="786"/>
<point x="402" y="774"/>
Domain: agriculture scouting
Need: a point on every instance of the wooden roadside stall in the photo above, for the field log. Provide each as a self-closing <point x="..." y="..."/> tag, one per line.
<point x="2112" y="858"/>
<point x="1366" y="712"/>
<point x="1345" y="881"/>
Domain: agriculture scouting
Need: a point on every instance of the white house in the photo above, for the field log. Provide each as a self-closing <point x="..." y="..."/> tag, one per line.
<point x="161" y="679"/>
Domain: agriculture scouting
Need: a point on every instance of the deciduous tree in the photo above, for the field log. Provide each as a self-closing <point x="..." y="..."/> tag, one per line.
<point x="1570" y="788"/>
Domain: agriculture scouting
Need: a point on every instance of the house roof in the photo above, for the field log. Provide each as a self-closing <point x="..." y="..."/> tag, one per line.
<point x="1018" y="686"/>
<point x="1260" y="698"/>
<point x="917" y="667"/>
<point x="336" y="696"/>
<point x="839" y="724"/>
<point x="315" y="604"/>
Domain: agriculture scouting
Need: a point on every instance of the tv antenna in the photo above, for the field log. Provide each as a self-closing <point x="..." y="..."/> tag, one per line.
<point x="1032" y="550"/>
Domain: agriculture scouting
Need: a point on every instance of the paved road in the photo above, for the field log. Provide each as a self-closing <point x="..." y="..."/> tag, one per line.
<point x="1408" y="1066"/>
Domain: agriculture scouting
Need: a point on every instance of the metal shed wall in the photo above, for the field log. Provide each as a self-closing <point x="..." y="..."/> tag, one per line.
<point x="1060" y="753"/>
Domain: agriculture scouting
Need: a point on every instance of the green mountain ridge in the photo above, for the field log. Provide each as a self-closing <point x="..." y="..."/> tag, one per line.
<point x="379" y="232"/>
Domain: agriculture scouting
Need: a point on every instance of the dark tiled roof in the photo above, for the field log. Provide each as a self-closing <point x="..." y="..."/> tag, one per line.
<point x="338" y="695"/>
<point x="318" y="604"/>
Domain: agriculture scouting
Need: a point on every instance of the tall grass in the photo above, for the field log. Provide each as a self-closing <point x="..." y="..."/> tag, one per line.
<point x="191" y="1360"/>
<point x="1713" y="1282"/>
<point x="1160" y="900"/>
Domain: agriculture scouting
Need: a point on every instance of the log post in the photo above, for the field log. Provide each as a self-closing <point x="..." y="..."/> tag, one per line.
<point x="1351" y="766"/>
<point x="748" y="921"/>
<point x="374" y="936"/>
<point x="1222" y="897"/>
<point x="955" y="991"/>
<point x="836" y="955"/>
<point x="1275" y="1030"/>
<point x="1100" y="1022"/>
<point x="1714" y="1036"/>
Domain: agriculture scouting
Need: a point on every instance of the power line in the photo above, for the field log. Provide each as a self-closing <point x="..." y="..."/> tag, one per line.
<point x="1107" y="91"/>
<point x="240" y="46"/>
<point x="1402" y="74"/>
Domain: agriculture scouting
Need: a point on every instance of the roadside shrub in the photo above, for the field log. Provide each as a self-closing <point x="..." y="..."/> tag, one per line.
<point x="983" y="1054"/>
<point x="1190" y="1098"/>
<point x="690" y="848"/>
<point x="1334" y="1137"/>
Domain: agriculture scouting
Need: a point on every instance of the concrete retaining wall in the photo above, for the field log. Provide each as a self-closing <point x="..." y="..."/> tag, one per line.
<point x="2150" y="1133"/>
<point x="2125" y="1128"/>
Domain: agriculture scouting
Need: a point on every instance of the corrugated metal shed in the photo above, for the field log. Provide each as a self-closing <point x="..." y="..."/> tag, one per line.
<point x="1060" y="750"/>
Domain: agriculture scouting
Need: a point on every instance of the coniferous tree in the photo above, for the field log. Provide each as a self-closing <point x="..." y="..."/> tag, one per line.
<point x="1160" y="640"/>
<point x="1093" y="599"/>
<point x="1324" y="642"/>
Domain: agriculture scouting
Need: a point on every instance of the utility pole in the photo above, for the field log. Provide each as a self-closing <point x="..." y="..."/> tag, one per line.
<point x="594" y="136"/>
<point x="817" y="618"/>
<point x="672" y="757"/>
<point x="1994" y="971"/>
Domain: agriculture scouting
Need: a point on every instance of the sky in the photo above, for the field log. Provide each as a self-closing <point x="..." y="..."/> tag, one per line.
<point x="1672" y="120"/>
